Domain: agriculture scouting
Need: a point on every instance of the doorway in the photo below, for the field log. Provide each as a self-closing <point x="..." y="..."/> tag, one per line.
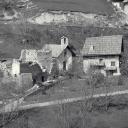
<point x="64" y="65"/>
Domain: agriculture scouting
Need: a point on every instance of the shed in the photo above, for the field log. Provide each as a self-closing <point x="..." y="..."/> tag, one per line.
<point x="35" y="70"/>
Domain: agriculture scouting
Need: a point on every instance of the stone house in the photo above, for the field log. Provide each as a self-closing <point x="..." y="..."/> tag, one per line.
<point x="103" y="54"/>
<point x="62" y="53"/>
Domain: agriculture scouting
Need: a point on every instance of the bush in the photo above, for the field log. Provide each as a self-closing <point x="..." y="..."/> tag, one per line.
<point x="95" y="79"/>
<point x="30" y="36"/>
<point x="123" y="80"/>
<point x="1" y="74"/>
<point x="120" y="80"/>
<point x="55" y="69"/>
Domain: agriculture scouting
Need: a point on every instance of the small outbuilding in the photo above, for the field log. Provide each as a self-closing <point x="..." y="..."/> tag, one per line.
<point x="37" y="74"/>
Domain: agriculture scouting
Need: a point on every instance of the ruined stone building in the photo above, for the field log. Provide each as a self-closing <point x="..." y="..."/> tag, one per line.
<point x="62" y="52"/>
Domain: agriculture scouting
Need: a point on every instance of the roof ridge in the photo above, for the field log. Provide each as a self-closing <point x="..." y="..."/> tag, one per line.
<point x="103" y="36"/>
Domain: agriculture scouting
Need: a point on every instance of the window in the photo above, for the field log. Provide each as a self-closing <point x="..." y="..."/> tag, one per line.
<point x="64" y="40"/>
<point x="113" y="63"/>
<point x="64" y="65"/>
<point x="92" y="47"/>
<point x="65" y="52"/>
<point x="43" y="79"/>
<point x="100" y="60"/>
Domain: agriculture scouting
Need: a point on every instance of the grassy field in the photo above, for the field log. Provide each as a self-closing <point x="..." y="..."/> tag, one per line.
<point x="62" y="115"/>
<point x="72" y="114"/>
<point x="72" y="88"/>
<point x="87" y="6"/>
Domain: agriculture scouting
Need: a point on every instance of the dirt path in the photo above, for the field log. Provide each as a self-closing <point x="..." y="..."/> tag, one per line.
<point x="70" y="100"/>
<point x="16" y="103"/>
<point x="20" y="104"/>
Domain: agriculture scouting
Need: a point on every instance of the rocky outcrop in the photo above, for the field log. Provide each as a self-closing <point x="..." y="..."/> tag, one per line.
<point x="77" y="18"/>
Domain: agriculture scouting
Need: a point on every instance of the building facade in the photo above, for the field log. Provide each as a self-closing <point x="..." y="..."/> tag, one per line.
<point x="10" y="68"/>
<point x="62" y="52"/>
<point x="28" y="55"/>
<point x="15" y="68"/>
<point x="103" y="54"/>
<point x="65" y="60"/>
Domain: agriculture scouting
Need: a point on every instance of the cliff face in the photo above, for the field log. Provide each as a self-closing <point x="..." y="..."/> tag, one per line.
<point x="79" y="18"/>
<point x="57" y="17"/>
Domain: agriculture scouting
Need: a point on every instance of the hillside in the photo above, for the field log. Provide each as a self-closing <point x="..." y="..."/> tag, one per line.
<point x="11" y="37"/>
<point x="58" y="12"/>
<point x="87" y="6"/>
<point x="12" y="33"/>
<point x="29" y="8"/>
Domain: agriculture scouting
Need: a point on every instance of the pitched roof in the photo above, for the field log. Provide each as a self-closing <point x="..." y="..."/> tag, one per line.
<point x="55" y="49"/>
<point x="104" y="45"/>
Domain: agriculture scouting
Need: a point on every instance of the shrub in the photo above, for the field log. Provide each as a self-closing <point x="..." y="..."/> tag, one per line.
<point x="94" y="78"/>
<point x="1" y="74"/>
<point x="55" y="69"/>
<point x="120" y="80"/>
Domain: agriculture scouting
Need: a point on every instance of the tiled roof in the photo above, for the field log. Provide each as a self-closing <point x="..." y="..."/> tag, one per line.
<point x="55" y="49"/>
<point x="104" y="45"/>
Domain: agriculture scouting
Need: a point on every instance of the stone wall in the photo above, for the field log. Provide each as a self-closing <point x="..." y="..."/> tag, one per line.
<point x="28" y="55"/>
<point x="25" y="80"/>
<point x="44" y="59"/>
<point x="6" y="67"/>
<point x="15" y="68"/>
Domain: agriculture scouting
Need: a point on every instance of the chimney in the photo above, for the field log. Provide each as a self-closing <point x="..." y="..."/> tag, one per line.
<point x="64" y="41"/>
